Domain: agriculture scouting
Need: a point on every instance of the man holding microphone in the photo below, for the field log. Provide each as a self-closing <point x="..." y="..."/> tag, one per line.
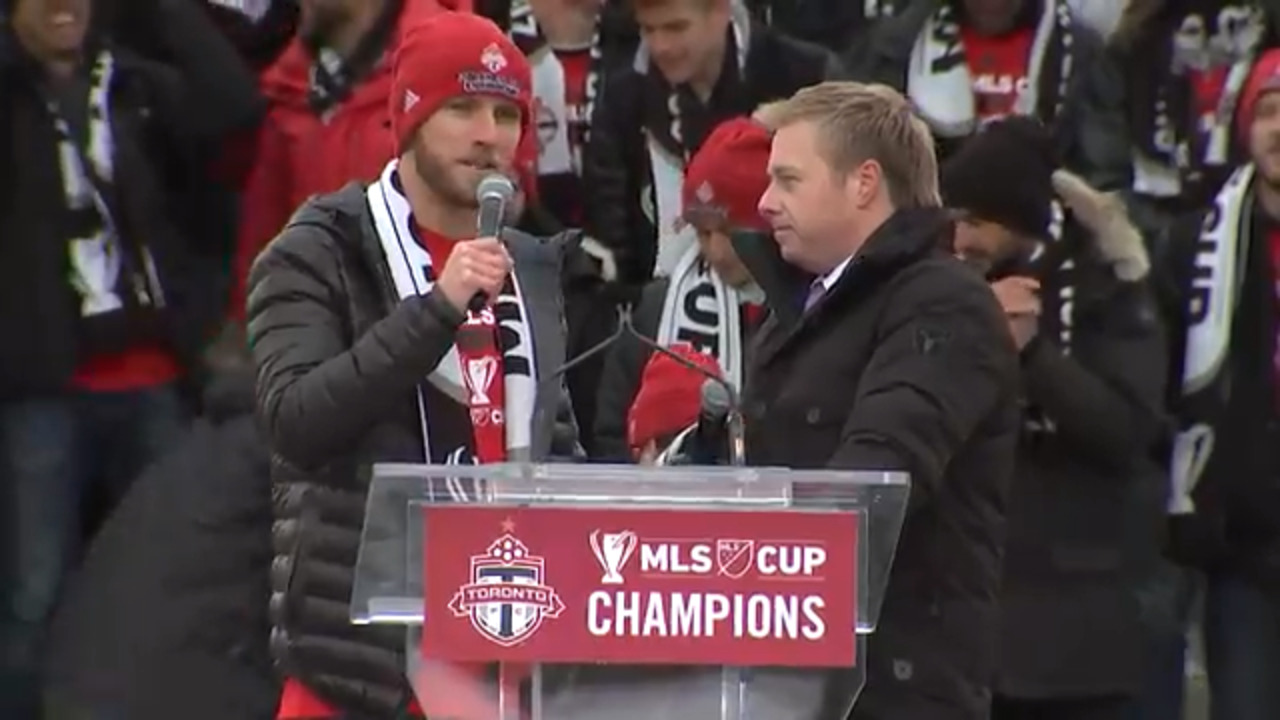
<point x="383" y="332"/>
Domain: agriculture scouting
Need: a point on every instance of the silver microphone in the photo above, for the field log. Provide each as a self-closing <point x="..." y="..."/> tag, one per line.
<point x="493" y="194"/>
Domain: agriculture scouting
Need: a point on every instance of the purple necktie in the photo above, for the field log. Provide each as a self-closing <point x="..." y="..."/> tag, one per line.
<point x="816" y="291"/>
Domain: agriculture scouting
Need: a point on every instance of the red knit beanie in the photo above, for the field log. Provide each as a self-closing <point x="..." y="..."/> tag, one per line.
<point x="726" y="177"/>
<point x="447" y="54"/>
<point x="1263" y="78"/>
<point x="670" y="396"/>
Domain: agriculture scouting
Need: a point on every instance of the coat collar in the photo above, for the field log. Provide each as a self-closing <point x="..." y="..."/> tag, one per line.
<point x="907" y="236"/>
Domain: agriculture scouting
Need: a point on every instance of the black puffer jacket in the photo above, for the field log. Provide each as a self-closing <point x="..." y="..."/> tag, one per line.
<point x="339" y="357"/>
<point x="165" y="618"/>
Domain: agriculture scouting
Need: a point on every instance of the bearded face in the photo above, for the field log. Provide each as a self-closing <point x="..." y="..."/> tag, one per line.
<point x="468" y="138"/>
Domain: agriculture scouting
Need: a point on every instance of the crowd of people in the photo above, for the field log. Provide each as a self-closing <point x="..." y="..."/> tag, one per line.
<point x="236" y="236"/>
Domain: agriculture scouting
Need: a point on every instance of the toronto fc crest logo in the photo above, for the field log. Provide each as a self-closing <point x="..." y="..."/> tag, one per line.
<point x="507" y="598"/>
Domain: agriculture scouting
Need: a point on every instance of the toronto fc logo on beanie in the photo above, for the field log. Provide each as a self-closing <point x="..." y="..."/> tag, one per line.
<point x="491" y="82"/>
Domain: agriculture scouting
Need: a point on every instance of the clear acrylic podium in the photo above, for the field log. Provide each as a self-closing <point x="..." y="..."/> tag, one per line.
<point x="577" y="592"/>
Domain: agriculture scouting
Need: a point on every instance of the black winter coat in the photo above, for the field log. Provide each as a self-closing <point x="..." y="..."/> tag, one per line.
<point x="620" y="378"/>
<point x="168" y="121"/>
<point x="905" y="364"/>
<point x="1087" y="501"/>
<point x="617" y="175"/>
<point x="166" y="617"/>
<point x="339" y="357"/>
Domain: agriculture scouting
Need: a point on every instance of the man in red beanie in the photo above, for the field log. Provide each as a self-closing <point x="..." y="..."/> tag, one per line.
<point x="383" y="330"/>
<point x="1225" y="484"/>
<point x="710" y="300"/>
<point x="327" y="123"/>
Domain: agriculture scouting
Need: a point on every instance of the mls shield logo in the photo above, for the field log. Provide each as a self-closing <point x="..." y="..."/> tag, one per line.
<point x="507" y="599"/>
<point x="735" y="557"/>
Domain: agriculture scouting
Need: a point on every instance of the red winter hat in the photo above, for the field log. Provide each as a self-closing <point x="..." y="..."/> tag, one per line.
<point x="447" y="54"/>
<point x="1263" y="78"/>
<point x="726" y="177"/>
<point x="670" y="395"/>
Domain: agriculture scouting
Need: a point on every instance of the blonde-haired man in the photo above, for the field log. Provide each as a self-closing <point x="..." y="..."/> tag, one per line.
<point x="883" y="352"/>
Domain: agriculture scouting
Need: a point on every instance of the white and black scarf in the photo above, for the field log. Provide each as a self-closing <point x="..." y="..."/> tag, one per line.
<point x="105" y="274"/>
<point x="661" y="200"/>
<point x="1177" y="142"/>
<point x="411" y="272"/>
<point x="940" y="86"/>
<point x="559" y="151"/>
<point x="704" y="311"/>
<point x="1222" y="256"/>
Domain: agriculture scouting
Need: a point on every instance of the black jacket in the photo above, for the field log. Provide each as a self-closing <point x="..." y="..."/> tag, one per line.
<point x="1092" y="130"/>
<point x="616" y="168"/>
<point x="166" y="618"/>
<point x="1087" y="502"/>
<point x="620" y="378"/>
<point x="905" y="364"/>
<point x="167" y="121"/>
<point x="1236" y="524"/>
<point x="339" y="357"/>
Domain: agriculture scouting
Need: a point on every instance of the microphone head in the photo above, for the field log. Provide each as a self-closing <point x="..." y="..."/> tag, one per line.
<point x="495" y="186"/>
<point x="715" y="398"/>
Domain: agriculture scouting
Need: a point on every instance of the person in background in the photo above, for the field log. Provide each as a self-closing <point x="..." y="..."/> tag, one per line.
<point x="1086" y="508"/>
<point x="966" y="62"/>
<point x="700" y="62"/>
<point x="863" y="289"/>
<point x="327" y="124"/>
<point x="1225" y="484"/>
<point x="710" y="301"/>
<point x="833" y="24"/>
<point x="574" y="47"/>
<point x="667" y="403"/>
<point x="1185" y="63"/>
<point x="360" y="328"/>
<point x="101" y="149"/>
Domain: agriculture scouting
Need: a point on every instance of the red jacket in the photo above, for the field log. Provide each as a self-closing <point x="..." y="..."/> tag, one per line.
<point x="300" y="154"/>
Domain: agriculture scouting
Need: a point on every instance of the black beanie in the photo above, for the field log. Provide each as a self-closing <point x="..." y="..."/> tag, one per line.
<point x="1003" y="174"/>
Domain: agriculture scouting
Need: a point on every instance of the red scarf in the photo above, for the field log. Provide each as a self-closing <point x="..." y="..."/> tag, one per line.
<point x="481" y="360"/>
<point x="482" y="374"/>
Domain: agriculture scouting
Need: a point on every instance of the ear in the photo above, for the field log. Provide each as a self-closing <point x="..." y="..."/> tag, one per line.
<point x="863" y="184"/>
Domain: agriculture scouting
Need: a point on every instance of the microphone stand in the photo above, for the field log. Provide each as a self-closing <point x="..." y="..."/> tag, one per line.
<point x="626" y="326"/>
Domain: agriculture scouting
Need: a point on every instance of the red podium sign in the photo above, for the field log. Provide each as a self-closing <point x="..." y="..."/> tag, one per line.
<point x="681" y="587"/>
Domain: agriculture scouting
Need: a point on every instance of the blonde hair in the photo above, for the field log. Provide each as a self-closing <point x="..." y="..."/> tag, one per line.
<point x="858" y="122"/>
<point x="767" y="114"/>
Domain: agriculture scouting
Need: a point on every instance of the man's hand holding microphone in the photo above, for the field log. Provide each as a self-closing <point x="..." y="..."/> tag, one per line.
<point x="477" y="269"/>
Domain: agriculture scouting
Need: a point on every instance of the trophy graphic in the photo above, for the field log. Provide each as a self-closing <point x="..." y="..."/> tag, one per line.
<point x="480" y="372"/>
<point x="612" y="551"/>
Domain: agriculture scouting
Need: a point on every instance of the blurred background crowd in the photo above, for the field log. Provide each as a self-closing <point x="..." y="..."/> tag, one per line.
<point x="149" y="150"/>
